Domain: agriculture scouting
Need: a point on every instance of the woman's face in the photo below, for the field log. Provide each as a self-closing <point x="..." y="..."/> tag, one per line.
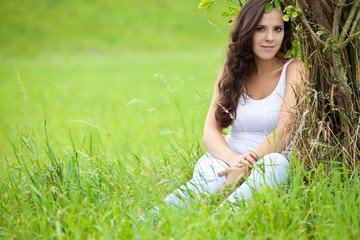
<point x="269" y="35"/>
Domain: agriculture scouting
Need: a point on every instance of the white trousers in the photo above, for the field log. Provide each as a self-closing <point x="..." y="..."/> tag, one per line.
<point x="271" y="170"/>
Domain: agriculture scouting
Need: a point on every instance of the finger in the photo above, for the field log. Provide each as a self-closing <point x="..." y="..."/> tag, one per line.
<point x="223" y="172"/>
<point x="236" y="165"/>
<point x="226" y="189"/>
<point x="229" y="180"/>
<point x="250" y="160"/>
<point x="244" y="161"/>
<point x="239" y="181"/>
<point x="232" y="172"/>
<point x="252" y="157"/>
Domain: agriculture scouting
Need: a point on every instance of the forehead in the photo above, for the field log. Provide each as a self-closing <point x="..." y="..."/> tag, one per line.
<point x="274" y="17"/>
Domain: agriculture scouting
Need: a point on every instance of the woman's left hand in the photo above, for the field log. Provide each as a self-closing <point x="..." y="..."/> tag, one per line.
<point x="234" y="177"/>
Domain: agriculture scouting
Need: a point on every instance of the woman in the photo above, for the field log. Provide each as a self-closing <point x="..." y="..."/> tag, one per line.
<point x="254" y="93"/>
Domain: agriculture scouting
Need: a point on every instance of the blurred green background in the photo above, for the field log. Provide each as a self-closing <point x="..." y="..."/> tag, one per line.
<point x="140" y="72"/>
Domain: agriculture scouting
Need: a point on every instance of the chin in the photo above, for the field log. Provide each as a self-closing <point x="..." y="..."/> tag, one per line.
<point x="267" y="57"/>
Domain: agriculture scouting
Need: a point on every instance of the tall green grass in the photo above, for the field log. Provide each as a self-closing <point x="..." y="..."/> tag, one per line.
<point x="89" y="194"/>
<point x="103" y="104"/>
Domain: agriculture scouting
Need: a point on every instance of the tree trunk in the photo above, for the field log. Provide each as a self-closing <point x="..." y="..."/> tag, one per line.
<point x="335" y="72"/>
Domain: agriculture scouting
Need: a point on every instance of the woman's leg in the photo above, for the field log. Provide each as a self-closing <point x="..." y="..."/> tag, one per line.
<point x="205" y="181"/>
<point x="271" y="170"/>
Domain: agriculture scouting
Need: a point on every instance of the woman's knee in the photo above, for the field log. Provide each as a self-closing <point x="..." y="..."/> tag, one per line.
<point x="275" y="159"/>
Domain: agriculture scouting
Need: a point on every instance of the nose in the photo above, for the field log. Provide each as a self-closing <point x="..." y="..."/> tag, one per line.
<point x="269" y="36"/>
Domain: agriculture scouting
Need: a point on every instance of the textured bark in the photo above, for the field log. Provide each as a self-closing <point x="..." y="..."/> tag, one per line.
<point x="335" y="57"/>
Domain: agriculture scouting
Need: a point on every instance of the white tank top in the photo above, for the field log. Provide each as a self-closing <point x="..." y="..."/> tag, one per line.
<point x="256" y="119"/>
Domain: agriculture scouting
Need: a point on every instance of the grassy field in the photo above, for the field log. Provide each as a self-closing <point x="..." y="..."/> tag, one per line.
<point x="139" y="98"/>
<point x="131" y="69"/>
<point x="103" y="104"/>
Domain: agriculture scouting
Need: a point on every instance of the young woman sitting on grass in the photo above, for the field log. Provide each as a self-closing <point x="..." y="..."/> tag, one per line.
<point x="254" y="93"/>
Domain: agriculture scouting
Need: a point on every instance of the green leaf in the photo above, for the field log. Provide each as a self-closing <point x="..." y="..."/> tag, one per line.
<point x="203" y="3"/>
<point x="234" y="8"/>
<point x="269" y="7"/>
<point x="277" y="4"/>
<point x="288" y="9"/>
<point x="286" y="18"/>
<point x="288" y="54"/>
<point x="294" y="14"/>
<point x="319" y="33"/>
<point x="295" y="44"/>
<point x="225" y="13"/>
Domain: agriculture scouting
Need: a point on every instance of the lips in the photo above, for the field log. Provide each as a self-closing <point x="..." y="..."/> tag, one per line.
<point x="269" y="48"/>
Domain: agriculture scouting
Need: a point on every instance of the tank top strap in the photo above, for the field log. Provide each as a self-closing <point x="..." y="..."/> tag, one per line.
<point x="283" y="73"/>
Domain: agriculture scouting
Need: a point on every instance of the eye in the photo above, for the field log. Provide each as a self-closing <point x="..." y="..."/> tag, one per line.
<point x="260" y="29"/>
<point x="278" y="29"/>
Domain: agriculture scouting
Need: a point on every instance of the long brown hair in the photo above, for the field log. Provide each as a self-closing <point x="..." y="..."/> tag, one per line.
<point x="240" y="64"/>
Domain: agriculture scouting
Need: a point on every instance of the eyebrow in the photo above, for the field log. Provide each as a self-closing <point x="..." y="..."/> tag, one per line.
<point x="266" y="26"/>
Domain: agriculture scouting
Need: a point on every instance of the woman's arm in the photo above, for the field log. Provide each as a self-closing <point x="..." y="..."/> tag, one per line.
<point x="213" y="139"/>
<point x="296" y="74"/>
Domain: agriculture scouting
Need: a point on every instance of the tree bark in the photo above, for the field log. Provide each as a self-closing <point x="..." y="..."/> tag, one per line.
<point x="337" y="51"/>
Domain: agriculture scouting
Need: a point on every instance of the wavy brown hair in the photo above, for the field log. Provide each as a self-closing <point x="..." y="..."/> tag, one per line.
<point x="240" y="64"/>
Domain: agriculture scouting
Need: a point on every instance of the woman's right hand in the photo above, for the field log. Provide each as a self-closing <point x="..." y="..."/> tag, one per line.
<point x="247" y="159"/>
<point x="234" y="178"/>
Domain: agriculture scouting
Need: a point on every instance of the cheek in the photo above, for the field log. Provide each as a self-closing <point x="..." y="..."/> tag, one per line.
<point x="281" y="37"/>
<point x="256" y="37"/>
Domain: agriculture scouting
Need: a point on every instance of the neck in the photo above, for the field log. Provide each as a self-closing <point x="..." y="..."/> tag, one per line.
<point x="264" y="66"/>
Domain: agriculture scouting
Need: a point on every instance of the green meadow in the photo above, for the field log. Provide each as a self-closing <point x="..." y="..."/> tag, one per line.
<point x="103" y="105"/>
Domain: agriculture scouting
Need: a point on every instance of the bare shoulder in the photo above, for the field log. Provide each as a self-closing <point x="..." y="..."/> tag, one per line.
<point x="296" y="64"/>
<point x="296" y="72"/>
